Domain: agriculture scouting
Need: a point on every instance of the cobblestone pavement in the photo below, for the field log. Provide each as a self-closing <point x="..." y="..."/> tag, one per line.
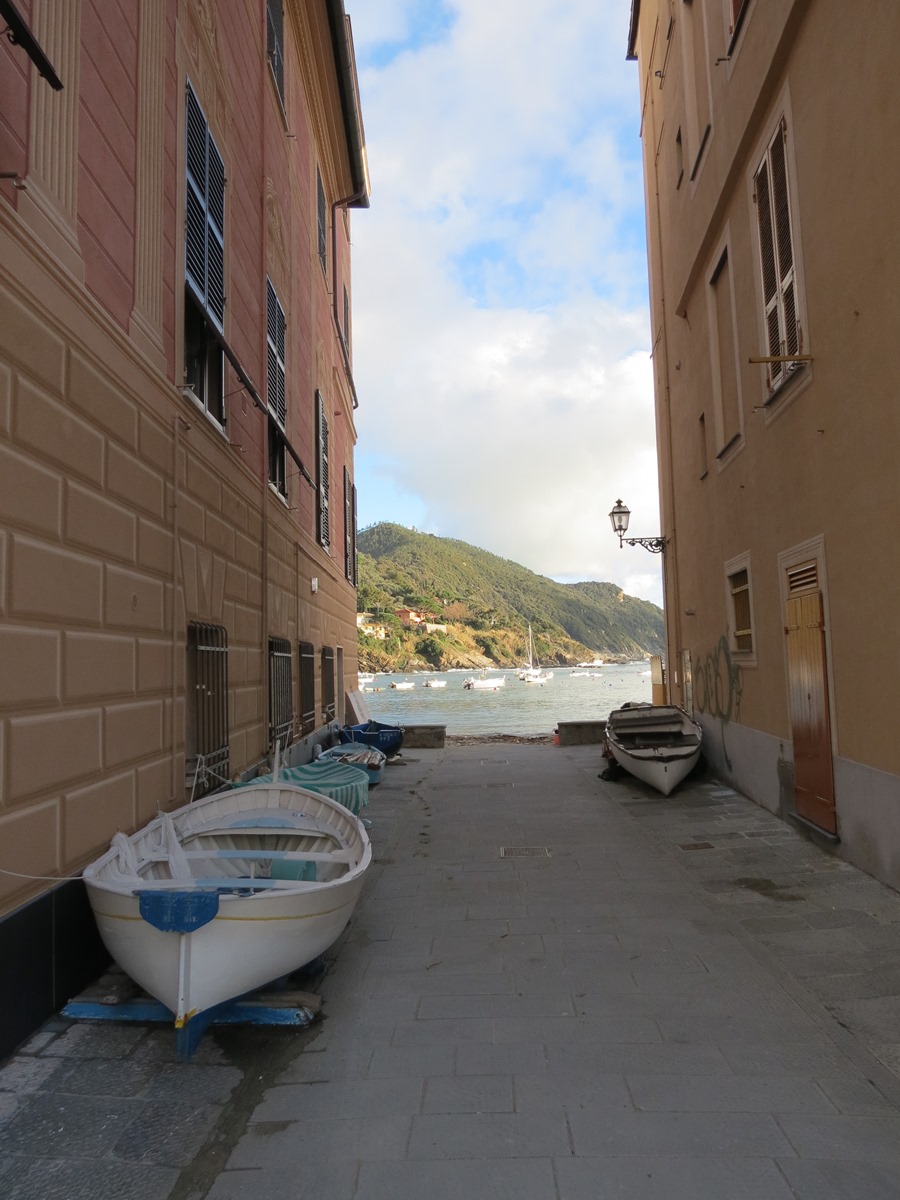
<point x="553" y="988"/>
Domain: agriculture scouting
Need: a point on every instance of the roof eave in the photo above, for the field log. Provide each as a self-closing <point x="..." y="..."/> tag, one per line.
<point x="345" y="61"/>
<point x="633" y="28"/>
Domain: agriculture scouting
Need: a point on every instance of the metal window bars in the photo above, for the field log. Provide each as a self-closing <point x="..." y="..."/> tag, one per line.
<point x="281" y="709"/>
<point x="208" y="753"/>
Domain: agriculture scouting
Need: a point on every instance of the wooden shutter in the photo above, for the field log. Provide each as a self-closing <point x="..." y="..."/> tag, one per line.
<point x="322" y="222"/>
<point x="275" y="41"/>
<point x="355" y="578"/>
<point x="205" y="214"/>
<point x="348" y="526"/>
<point x="323" y="522"/>
<point x="276" y="327"/>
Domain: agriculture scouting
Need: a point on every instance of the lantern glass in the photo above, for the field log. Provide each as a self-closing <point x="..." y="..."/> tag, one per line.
<point x="619" y="518"/>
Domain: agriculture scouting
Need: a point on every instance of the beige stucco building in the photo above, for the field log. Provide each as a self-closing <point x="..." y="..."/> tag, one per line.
<point x="769" y="132"/>
<point x="177" y="509"/>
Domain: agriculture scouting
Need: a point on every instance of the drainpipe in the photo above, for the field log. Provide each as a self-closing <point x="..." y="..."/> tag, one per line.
<point x="670" y="577"/>
<point x="178" y="423"/>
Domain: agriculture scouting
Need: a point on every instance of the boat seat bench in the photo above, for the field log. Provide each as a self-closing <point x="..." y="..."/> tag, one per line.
<point x="338" y="856"/>
<point x="227" y="883"/>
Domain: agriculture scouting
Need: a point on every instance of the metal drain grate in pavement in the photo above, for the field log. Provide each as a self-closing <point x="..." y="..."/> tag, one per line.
<point x="524" y="852"/>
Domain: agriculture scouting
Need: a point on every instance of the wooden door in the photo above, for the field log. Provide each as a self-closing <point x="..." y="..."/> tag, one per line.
<point x="810" y="720"/>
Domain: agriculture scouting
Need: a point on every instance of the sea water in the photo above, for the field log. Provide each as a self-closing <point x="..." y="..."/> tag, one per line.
<point x="522" y="709"/>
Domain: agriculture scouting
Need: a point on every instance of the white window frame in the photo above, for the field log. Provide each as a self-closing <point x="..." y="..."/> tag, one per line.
<point x="746" y="657"/>
<point x="784" y="292"/>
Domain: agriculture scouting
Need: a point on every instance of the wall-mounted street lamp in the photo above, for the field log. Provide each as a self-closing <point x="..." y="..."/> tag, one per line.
<point x="619" y="518"/>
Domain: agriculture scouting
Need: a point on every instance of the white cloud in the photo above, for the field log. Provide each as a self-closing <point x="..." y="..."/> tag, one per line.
<point x="501" y="340"/>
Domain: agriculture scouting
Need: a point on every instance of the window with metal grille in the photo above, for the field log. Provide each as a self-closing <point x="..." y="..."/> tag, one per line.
<point x="307" y="657"/>
<point x="275" y="42"/>
<point x="281" y="704"/>
<point x="784" y="333"/>
<point x="207" y="755"/>
<point x="322" y="222"/>
<point x="323" y="528"/>
<point x="349" y="529"/>
<point x="205" y="215"/>
<point x="328" y="688"/>
<point x="742" y="622"/>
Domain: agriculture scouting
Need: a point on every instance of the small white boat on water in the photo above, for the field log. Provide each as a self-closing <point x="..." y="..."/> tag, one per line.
<point x="659" y="744"/>
<point x="403" y="685"/>
<point x="484" y="682"/>
<point x="365" y="678"/>
<point x="533" y="673"/>
<point x="438" y="683"/>
<point x="219" y="897"/>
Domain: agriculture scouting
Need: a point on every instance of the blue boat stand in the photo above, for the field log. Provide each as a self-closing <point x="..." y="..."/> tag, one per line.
<point x="115" y="998"/>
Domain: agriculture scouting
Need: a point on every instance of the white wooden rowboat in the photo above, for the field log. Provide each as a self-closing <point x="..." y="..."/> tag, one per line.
<point x="659" y="744"/>
<point x="215" y="899"/>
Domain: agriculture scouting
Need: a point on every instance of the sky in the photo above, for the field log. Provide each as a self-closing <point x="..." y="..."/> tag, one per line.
<point x="501" y="337"/>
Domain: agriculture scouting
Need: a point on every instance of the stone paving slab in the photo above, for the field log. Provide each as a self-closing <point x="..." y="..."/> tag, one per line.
<point x="684" y="998"/>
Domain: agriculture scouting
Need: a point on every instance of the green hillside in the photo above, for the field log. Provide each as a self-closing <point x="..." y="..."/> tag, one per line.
<point x="487" y="603"/>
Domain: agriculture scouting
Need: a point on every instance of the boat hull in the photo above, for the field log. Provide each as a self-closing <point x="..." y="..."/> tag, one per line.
<point x="194" y="943"/>
<point x="660" y="745"/>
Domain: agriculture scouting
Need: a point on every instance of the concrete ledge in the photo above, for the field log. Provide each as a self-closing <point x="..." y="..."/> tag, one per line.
<point x="580" y="733"/>
<point x="424" y="737"/>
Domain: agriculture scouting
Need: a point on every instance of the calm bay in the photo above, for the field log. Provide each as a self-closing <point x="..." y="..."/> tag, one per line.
<point x="517" y="708"/>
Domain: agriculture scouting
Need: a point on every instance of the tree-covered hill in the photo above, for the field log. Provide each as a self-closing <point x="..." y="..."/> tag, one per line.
<point x="487" y="603"/>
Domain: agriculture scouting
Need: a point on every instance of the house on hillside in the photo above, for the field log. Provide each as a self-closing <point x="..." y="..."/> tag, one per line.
<point x="773" y="260"/>
<point x="178" y="547"/>
<point x="367" y="625"/>
<point x="409" y="617"/>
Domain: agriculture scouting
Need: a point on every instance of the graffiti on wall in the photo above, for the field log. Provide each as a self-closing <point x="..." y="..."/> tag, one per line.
<point x="718" y="686"/>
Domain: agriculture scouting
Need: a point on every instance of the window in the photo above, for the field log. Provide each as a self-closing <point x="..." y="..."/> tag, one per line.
<point x="281" y="708"/>
<point x="704" y="458"/>
<point x="679" y="160"/>
<point x="695" y="64"/>
<point x="784" y="334"/>
<point x="322" y="515"/>
<point x="736" y="10"/>
<point x="275" y="42"/>
<point x="276" y="389"/>
<point x="346" y="317"/>
<point x="204" y="248"/>
<point x="349" y="529"/>
<point x="328" y="690"/>
<point x="740" y="607"/>
<point x="307" y="653"/>
<point x="322" y="222"/>
<point x="206" y="708"/>
<point x="723" y="351"/>
<point x="203" y="361"/>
